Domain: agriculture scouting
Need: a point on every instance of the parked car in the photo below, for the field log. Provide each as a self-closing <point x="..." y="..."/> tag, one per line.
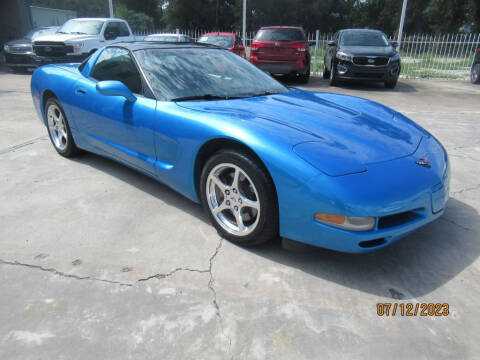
<point x="229" y="41"/>
<point x="168" y="38"/>
<point x="282" y="50"/>
<point x="265" y="160"/>
<point x="475" y="72"/>
<point x="78" y="38"/>
<point x="362" y="54"/>
<point x="19" y="52"/>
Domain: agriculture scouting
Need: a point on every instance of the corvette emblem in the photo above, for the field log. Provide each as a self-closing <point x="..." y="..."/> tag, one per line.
<point x="277" y="44"/>
<point x="423" y="162"/>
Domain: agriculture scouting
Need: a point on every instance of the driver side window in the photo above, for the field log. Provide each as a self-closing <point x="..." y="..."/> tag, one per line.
<point x="115" y="63"/>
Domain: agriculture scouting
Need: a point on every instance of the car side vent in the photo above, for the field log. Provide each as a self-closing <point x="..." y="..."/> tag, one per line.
<point x="399" y="219"/>
<point x="371" y="243"/>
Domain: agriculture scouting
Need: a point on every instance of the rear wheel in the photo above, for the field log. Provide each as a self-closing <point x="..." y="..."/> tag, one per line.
<point x="58" y="129"/>
<point x="305" y="77"/>
<point x="239" y="198"/>
<point x="475" y="74"/>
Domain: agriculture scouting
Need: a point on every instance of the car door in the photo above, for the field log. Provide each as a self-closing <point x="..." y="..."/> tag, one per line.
<point x="113" y="124"/>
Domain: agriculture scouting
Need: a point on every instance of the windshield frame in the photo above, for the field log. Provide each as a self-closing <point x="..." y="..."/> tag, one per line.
<point x="80" y="21"/>
<point x="162" y="97"/>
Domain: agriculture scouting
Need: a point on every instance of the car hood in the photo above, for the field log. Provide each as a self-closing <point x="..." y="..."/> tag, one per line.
<point x="338" y="134"/>
<point x="64" y="37"/>
<point x="368" y="50"/>
<point x="22" y="41"/>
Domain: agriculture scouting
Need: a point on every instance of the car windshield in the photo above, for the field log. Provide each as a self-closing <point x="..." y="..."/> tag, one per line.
<point x="225" y="41"/>
<point x="279" y="35"/>
<point x="364" y="38"/>
<point x="209" y="73"/>
<point x="88" y="27"/>
<point x="164" y="38"/>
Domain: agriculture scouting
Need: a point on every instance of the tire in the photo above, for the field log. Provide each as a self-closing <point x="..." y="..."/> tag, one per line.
<point x="332" y="79"/>
<point x="475" y="74"/>
<point x="326" y="73"/>
<point x="305" y="77"/>
<point x="253" y="201"/>
<point x="390" y="84"/>
<point x="58" y="129"/>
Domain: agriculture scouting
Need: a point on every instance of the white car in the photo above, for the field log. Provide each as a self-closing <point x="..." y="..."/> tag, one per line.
<point x="78" y="38"/>
<point x="168" y="38"/>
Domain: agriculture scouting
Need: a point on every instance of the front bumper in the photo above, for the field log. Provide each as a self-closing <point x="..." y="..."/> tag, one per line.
<point x="280" y="67"/>
<point x="19" y="60"/>
<point x="43" y="60"/>
<point x="400" y="194"/>
<point x="349" y="71"/>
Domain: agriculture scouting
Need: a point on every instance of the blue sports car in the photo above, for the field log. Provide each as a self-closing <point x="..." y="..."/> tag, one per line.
<point x="265" y="160"/>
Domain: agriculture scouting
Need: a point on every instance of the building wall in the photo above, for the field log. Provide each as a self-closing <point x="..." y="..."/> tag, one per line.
<point x="14" y="20"/>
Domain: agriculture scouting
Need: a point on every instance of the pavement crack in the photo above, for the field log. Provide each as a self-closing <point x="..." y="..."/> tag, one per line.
<point x="163" y="276"/>
<point x="443" y="218"/>
<point x="62" y="274"/>
<point x="211" y="286"/>
<point x="21" y="145"/>
<point x="466" y="189"/>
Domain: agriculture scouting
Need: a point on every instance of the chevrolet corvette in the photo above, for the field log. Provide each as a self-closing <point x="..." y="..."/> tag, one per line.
<point x="264" y="160"/>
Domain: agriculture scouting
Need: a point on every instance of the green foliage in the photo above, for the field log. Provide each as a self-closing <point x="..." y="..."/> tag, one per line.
<point x="440" y="16"/>
<point x="139" y="22"/>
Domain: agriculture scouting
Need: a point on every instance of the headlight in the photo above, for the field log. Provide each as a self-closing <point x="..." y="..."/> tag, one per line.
<point x="353" y="223"/>
<point x="6" y="48"/>
<point x="77" y="48"/>
<point x="343" y="56"/>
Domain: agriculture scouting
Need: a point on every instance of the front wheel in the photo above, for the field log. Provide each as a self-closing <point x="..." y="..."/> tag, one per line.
<point x="239" y="198"/>
<point x="333" y="77"/>
<point x="326" y="73"/>
<point x="58" y="129"/>
<point x="390" y="84"/>
<point x="475" y="74"/>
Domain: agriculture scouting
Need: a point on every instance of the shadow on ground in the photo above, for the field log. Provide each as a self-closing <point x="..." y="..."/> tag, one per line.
<point x="413" y="267"/>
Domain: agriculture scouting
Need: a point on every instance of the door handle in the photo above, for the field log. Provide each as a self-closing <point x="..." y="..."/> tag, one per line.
<point x="80" y="91"/>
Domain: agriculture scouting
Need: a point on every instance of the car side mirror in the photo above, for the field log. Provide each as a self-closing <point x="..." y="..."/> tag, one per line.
<point x="110" y="35"/>
<point x="331" y="43"/>
<point x="394" y="44"/>
<point x="115" y="88"/>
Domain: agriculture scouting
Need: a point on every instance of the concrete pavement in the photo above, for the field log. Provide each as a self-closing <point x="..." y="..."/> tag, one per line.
<point x="98" y="261"/>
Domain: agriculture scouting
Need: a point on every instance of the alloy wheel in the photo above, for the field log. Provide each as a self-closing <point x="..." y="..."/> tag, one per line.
<point x="233" y="199"/>
<point x="57" y="127"/>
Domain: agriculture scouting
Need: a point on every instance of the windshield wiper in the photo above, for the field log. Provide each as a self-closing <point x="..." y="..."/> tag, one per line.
<point x="204" y="97"/>
<point x="78" y="33"/>
<point x="266" y="93"/>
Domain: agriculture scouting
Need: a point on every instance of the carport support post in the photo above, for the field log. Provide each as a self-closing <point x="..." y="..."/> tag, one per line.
<point x="317" y="35"/>
<point x="110" y="8"/>
<point x="402" y="21"/>
<point x="244" y="22"/>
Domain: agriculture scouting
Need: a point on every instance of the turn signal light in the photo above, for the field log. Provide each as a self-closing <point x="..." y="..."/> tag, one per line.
<point x="353" y="223"/>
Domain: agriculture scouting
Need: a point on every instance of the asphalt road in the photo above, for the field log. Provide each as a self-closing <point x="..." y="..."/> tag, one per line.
<point x="100" y="262"/>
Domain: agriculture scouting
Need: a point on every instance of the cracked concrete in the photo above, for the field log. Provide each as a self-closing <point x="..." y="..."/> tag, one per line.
<point x="100" y="261"/>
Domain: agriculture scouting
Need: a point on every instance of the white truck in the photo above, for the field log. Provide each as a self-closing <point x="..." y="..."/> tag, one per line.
<point x="78" y="38"/>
